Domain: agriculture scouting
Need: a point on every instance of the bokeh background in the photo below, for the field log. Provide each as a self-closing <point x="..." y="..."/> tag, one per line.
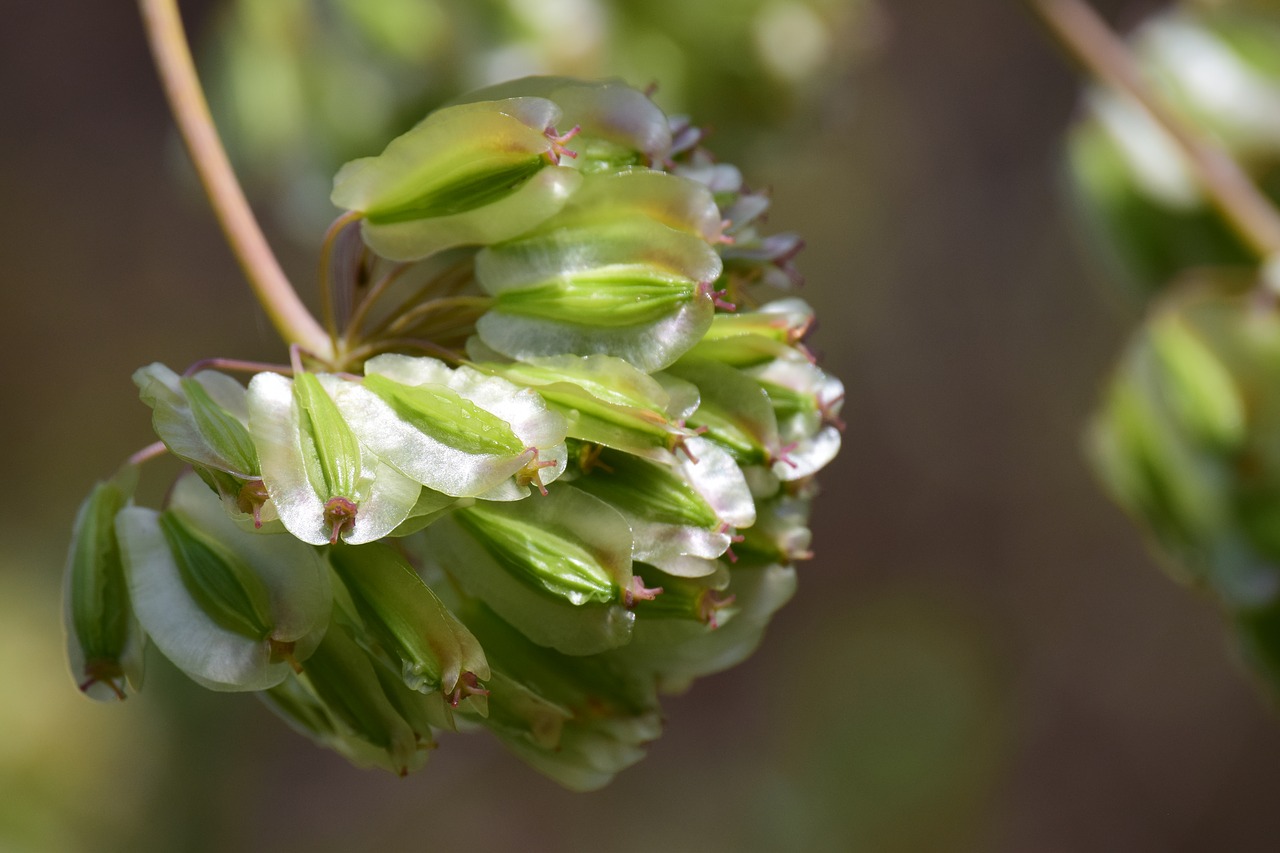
<point x="982" y="657"/>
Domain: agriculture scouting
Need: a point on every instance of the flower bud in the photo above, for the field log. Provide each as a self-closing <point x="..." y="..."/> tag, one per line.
<point x="233" y="610"/>
<point x="472" y="174"/>
<point x="104" y="641"/>
<point x="325" y="484"/>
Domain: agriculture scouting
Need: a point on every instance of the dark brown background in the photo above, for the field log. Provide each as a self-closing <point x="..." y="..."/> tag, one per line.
<point x="982" y="657"/>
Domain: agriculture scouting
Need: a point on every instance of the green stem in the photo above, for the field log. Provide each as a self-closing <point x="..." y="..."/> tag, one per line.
<point x="186" y="99"/>
<point x="1086" y="36"/>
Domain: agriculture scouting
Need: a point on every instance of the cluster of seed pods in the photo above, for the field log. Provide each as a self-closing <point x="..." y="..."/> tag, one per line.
<point x="599" y="497"/>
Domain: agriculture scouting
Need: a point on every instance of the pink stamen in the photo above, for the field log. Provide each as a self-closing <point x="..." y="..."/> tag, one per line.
<point x="529" y="474"/>
<point x="468" y="685"/>
<point x="710" y="602"/>
<point x="637" y="591"/>
<point x="557" y="149"/>
<point x="678" y="442"/>
<point x="717" y="296"/>
<point x="782" y="454"/>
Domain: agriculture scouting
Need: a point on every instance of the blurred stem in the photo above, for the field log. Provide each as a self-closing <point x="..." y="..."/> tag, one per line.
<point x="1086" y="36"/>
<point x="191" y="111"/>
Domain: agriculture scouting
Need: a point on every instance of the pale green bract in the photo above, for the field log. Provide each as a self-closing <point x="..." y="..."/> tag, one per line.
<point x="486" y="444"/>
<point x="471" y="174"/>
<point x="292" y="576"/>
<point x="382" y="496"/>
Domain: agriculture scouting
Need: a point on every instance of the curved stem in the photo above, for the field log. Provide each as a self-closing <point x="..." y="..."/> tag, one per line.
<point x="186" y="99"/>
<point x="1086" y="36"/>
<point x="146" y="454"/>
<point x="422" y="310"/>
<point x="237" y="365"/>
<point x="370" y="299"/>
<point x="388" y="344"/>
<point x="326" y="263"/>
<point x="449" y="282"/>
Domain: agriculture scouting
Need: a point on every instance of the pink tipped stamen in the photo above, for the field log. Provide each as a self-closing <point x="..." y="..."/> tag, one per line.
<point x="726" y="239"/>
<point x="710" y="602"/>
<point x="783" y="454"/>
<point x="717" y="296"/>
<point x="734" y="538"/>
<point x="468" y="685"/>
<point x="530" y="475"/>
<point x="557" y="149"/>
<point x="679" y="442"/>
<point x="637" y="591"/>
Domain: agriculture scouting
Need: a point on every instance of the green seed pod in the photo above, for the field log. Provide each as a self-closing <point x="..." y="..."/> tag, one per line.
<point x="472" y="174"/>
<point x="604" y="401"/>
<point x="676" y="651"/>
<point x="626" y="286"/>
<point x="753" y="338"/>
<point x="682" y="512"/>
<point x="203" y="419"/>
<point x="556" y="567"/>
<point x="702" y="600"/>
<point x="326" y="485"/>
<point x="233" y="610"/>
<point x="678" y="203"/>
<point x="104" y="640"/>
<point x="735" y="412"/>
<point x="781" y="533"/>
<point x="408" y="620"/>
<point x="806" y="404"/>
<point x="458" y="432"/>
<point x="579" y="720"/>
<point x="340" y="702"/>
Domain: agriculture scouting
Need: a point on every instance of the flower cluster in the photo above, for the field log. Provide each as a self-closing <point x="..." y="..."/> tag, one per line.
<point x="592" y="489"/>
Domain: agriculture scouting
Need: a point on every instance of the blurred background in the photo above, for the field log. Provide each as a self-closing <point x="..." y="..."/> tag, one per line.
<point x="982" y="656"/>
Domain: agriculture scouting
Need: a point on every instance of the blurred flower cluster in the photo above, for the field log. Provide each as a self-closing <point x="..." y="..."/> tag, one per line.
<point x="1216" y="69"/>
<point x="1188" y="438"/>
<point x="569" y="467"/>
<point x="300" y="86"/>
